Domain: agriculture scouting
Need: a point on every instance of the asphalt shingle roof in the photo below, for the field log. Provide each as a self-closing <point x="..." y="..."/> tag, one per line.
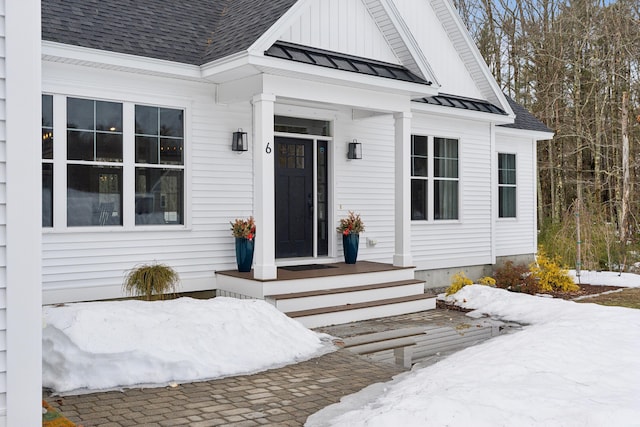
<point x="192" y="32"/>
<point x="524" y="119"/>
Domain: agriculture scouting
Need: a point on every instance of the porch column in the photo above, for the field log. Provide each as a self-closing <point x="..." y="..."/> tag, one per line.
<point x="263" y="187"/>
<point x="402" y="256"/>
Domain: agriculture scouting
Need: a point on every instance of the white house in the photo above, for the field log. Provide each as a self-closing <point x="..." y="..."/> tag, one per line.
<point x="139" y="104"/>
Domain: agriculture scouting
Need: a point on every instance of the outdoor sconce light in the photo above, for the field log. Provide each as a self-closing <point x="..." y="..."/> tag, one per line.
<point x="355" y="150"/>
<point x="240" y="142"/>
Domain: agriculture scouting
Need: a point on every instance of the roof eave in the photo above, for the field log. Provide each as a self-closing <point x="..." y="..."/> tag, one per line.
<point x="534" y="134"/>
<point x="498" y="119"/>
<point x="307" y="71"/>
<point x="96" y="58"/>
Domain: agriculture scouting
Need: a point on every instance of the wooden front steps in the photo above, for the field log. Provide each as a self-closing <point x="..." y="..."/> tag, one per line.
<point x="337" y="314"/>
<point x="339" y="293"/>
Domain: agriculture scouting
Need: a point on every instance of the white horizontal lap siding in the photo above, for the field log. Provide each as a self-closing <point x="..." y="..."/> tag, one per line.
<point x="438" y="48"/>
<point x="343" y="26"/>
<point x="92" y="263"/>
<point x="466" y="241"/>
<point x="366" y="186"/>
<point x="3" y="227"/>
<point x="516" y="236"/>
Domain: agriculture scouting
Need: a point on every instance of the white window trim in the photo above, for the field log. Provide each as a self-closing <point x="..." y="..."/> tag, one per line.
<point x="128" y="164"/>
<point x="431" y="178"/>
<point x="509" y="218"/>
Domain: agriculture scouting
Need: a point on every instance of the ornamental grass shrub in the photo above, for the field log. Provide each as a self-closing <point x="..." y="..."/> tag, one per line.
<point x="152" y="282"/>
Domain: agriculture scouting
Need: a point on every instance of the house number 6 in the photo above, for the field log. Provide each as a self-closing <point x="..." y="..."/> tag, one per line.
<point x="268" y="149"/>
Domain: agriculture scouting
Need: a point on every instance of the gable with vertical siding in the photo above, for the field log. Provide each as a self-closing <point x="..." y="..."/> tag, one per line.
<point x="344" y="26"/>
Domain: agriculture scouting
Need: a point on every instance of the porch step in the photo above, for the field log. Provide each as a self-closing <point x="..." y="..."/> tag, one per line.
<point x="363" y="311"/>
<point x="309" y="300"/>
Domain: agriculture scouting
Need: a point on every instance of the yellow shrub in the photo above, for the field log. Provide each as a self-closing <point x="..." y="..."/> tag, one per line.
<point x="487" y="281"/>
<point x="551" y="276"/>
<point x="458" y="281"/>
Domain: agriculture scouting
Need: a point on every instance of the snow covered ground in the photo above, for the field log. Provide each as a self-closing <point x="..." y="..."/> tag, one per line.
<point x="106" y="345"/>
<point x="609" y="278"/>
<point x="573" y="365"/>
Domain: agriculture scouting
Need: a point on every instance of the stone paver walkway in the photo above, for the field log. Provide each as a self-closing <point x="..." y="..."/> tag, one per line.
<point x="282" y="397"/>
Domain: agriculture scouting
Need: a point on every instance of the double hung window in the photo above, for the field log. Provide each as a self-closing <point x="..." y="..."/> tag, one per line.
<point x="507" y="185"/>
<point x="438" y="178"/>
<point x="105" y="185"/>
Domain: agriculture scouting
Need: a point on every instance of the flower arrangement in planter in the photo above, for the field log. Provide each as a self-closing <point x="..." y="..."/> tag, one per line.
<point x="244" y="230"/>
<point x="350" y="228"/>
<point x="352" y="224"/>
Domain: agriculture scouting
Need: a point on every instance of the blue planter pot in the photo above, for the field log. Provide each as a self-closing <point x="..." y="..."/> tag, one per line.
<point x="244" y="253"/>
<point x="350" y="244"/>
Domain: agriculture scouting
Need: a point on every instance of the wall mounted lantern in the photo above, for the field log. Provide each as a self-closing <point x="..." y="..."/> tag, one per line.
<point x="240" y="141"/>
<point x="355" y="150"/>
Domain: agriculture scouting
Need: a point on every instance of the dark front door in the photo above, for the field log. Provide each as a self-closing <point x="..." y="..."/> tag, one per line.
<point x="294" y="197"/>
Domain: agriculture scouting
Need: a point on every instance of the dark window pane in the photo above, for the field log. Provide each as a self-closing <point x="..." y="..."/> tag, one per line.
<point x="47" y="143"/>
<point x="303" y="126"/>
<point x="47" y="195"/>
<point x="507" y="202"/>
<point x="323" y="202"/>
<point x="146" y="149"/>
<point x="507" y="176"/>
<point x="507" y="168"/>
<point x="108" y="147"/>
<point x="146" y="120"/>
<point x="108" y="116"/>
<point x="94" y="195"/>
<point x="80" y="114"/>
<point x="445" y="168"/>
<point x="419" y="146"/>
<point x="171" y="151"/>
<point x="445" y="199"/>
<point x="418" y="199"/>
<point x="420" y="166"/>
<point x="171" y="123"/>
<point x="506" y="161"/>
<point x="47" y="111"/>
<point x="443" y="147"/>
<point x="80" y="145"/>
<point x="159" y="196"/>
<point x="445" y="162"/>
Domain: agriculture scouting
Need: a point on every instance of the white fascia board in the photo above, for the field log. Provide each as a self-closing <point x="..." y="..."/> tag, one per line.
<point x="270" y="36"/>
<point x="229" y="68"/>
<point x="498" y="119"/>
<point x="340" y="77"/>
<point x="59" y="52"/>
<point x="410" y="42"/>
<point x="533" y="134"/>
<point x="293" y="87"/>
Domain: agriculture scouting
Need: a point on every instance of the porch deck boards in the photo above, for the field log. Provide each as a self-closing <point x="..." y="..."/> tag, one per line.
<point x="377" y="303"/>
<point x="339" y="269"/>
